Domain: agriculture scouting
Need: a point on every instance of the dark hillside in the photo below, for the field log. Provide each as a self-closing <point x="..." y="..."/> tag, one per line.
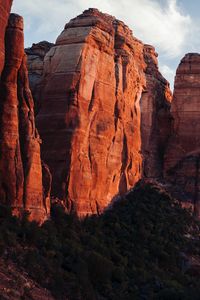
<point x="137" y="250"/>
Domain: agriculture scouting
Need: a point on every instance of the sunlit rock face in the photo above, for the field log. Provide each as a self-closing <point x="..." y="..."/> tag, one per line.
<point x="182" y="159"/>
<point x="155" y="116"/>
<point x="20" y="163"/>
<point x="89" y="119"/>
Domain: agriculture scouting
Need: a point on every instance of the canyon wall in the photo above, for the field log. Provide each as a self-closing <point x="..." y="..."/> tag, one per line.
<point x="104" y="117"/>
<point x="35" y="61"/>
<point x="97" y="90"/>
<point x="155" y="116"/>
<point x="5" y="7"/>
<point x="20" y="163"/>
<point x="89" y="119"/>
<point x="182" y="160"/>
<point x="95" y="80"/>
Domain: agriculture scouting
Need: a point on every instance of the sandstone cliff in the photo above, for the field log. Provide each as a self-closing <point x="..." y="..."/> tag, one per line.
<point x="20" y="162"/>
<point x="90" y="115"/>
<point x="35" y="61"/>
<point x="5" y="6"/>
<point x="155" y="116"/>
<point x="182" y="161"/>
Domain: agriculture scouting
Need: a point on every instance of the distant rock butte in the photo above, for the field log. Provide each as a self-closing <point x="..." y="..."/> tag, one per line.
<point x="20" y="164"/>
<point x="90" y="120"/>
<point x="182" y="160"/>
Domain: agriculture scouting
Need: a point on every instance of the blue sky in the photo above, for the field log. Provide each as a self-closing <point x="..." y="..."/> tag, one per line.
<point x="172" y="26"/>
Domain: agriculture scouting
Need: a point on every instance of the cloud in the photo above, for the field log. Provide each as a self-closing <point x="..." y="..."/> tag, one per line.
<point x="168" y="73"/>
<point x="164" y="26"/>
<point x="157" y="22"/>
<point x="166" y="70"/>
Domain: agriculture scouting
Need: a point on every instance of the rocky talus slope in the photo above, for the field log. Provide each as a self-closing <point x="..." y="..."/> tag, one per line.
<point x="15" y="284"/>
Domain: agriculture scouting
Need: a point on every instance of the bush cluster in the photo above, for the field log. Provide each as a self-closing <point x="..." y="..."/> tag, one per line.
<point x="135" y="250"/>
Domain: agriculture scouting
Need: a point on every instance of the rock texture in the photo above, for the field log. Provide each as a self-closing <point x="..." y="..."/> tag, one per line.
<point x="182" y="161"/>
<point x="20" y="163"/>
<point x="5" y="6"/>
<point x="155" y="116"/>
<point x="90" y="115"/>
<point x="35" y="61"/>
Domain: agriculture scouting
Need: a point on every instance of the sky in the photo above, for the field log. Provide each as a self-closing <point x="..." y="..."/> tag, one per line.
<point x="171" y="26"/>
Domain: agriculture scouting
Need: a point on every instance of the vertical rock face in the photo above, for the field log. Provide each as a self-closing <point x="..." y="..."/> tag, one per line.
<point x="155" y="116"/>
<point x="20" y="163"/>
<point x="35" y="60"/>
<point x="182" y="159"/>
<point x="5" y="6"/>
<point x="90" y="115"/>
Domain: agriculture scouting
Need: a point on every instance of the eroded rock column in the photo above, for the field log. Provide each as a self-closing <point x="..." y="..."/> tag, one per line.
<point x="20" y="162"/>
<point x="90" y="115"/>
<point x="183" y="152"/>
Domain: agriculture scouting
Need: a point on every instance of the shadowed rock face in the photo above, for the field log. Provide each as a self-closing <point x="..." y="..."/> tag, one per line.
<point x="20" y="163"/>
<point x="35" y="61"/>
<point x="155" y="116"/>
<point x="90" y="115"/>
<point x="5" y="6"/>
<point x="182" y="157"/>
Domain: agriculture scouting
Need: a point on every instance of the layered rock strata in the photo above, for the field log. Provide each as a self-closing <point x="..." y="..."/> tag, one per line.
<point x="20" y="163"/>
<point x="182" y="161"/>
<point x="90" y="115"/>
<point x="155" y="116"/>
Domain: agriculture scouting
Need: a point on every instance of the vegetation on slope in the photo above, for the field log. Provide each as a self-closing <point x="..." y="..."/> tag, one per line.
<point x="136" y="250"/>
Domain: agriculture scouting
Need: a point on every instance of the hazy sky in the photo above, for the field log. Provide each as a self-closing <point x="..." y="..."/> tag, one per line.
<point x="172" y="26"/>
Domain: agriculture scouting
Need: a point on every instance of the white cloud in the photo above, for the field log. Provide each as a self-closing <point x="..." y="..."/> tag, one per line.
<point x="163" y="26"/>
<point x="166" y="70"/>
<point x="168" y="73"/>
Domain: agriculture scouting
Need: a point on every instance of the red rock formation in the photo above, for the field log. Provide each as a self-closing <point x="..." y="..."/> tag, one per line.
<point x="155" y="116"/>
<point x="20" y="163"/>
<point x="182" y="161"/>
<point x="35" y="60"/>
<point x="5" y="6"/>
<point x="90" y="115"/>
